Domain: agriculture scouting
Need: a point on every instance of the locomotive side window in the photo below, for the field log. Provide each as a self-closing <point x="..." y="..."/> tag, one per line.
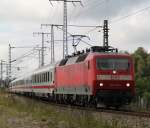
<point x="112" y="64"/>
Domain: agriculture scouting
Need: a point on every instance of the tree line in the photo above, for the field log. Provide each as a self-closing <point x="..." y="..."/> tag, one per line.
<point x="142" y="75"/>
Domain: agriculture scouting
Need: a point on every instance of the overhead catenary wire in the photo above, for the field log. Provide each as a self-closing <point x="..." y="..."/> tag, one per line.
<point x="129" y="15"/>
<point x="91" y="7"/>
<point x="81" y="40"/>
<point x="123" y="17"/>
<point x="85" y="5"/>
<point x="25" y="55"/>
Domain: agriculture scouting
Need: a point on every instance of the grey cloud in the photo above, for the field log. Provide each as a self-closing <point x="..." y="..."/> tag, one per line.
<point x="101" y="9"/>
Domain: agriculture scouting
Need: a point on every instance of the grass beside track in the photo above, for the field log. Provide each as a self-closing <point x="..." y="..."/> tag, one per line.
<point x="18" y="112"/>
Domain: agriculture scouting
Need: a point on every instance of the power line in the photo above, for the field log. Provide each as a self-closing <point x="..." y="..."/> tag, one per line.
<point x="81" y="40"/>
<point x="24" y="55"/>
<point x="82" y="26"/>
<point x="91" y="7"/>
<point x="129" y="15"/>
<point x="122" y="18"/>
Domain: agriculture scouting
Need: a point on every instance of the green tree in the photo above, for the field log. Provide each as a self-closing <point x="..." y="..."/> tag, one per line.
<point x="142" y="52"/>
<point x="147" y="99"/>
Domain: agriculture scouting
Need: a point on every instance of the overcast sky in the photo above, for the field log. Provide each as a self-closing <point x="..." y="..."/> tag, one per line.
<point x="129" y="23"/>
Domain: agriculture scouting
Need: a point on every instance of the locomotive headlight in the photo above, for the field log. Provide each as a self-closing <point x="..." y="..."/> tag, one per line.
<point x="128" y="84"/>
<point x="101" y="84"/>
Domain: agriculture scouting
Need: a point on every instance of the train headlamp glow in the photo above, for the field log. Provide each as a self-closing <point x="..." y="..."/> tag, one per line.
<point x="128" y="85"/>
<point x="101" y="84"/>
<point x="114" y="72"/>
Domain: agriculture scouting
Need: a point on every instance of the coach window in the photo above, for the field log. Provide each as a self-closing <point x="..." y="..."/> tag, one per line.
<point x="51" y="76"/>
<point x="43" y="77"/>
<point x="34" y="78"/>
<point x="48" y="76"/>
<point x="40" y="78"/>
<point x="37" y="78"/>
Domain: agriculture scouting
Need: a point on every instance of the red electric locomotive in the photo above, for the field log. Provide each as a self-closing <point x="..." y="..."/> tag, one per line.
<point x="96" y="77"/>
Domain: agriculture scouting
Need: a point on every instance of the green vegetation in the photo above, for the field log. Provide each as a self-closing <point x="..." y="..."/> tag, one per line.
<point x="20" y="112"/>
<point x="142" y="76"/>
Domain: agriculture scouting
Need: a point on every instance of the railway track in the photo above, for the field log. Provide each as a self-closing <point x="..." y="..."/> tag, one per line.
<point x="100" y="109"/>
<point x="104" y="110"/>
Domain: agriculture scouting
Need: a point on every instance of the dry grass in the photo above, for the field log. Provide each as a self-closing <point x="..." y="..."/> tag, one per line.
<point x="16" y="112"/>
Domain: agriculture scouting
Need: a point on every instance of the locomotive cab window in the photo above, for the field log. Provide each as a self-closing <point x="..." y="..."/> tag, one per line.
<point x="112" y="64"/>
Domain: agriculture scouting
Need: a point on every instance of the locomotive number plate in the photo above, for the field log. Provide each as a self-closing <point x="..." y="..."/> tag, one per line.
<point x="115" y="77"/>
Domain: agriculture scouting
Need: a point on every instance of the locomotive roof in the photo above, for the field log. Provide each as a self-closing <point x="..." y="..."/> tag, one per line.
<point x="82" y="57"/>
<point x="109" y="53"/>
